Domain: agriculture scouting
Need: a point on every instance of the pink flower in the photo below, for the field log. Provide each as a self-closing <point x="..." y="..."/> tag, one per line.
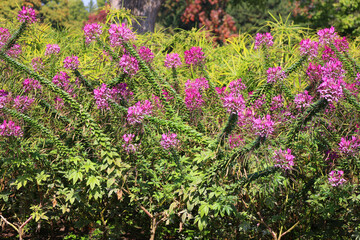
<point x="167" y="95"/>
<point x="31" y="84"/>
<point x="10" y="129"/>
<point x="194" y="56"/>
<point x="314" y="72"/>
<point x="91" y="32"/>
<point x="277" y="102"/>
<point x="146" y="54"/>
<point x="128" y="146"/>
<point x="137" y="112"/>
<point x="71" y="62"/>
<point x="22" y="103"/>
<point x="129" y="64"/>
<point x="37" y="64"/>
<point x="259" y="103"/>
<point x="235" y="141"/>
<point x="284" y="159"/>
<point x="172" y="60"/>
<point x="193" y="89"/>
<point x="4" y="36"/>
<point x="336" y="178"/>
<point x="236" y="86"/>
<point x="62" y="80"/>
<point x="59" y="103"/>
<point x="121" y="90"/>
<point x="263" y="39"/>
<point x="303" y="100"/>
<point x="328" y="54"/>
<point x="102" y="95"/>
<point x="308" y="47"/>
<point x="119" y="34"/>
<point x="14" y="51"/>
<point x="263" y="126"/>
<point x="27" y="15"/>
<point x="327" y="35"/>
<point x="275" y="74"/>
<point x="52" y="49"/>
<point x="234" y="103"/>
<point x="349" y="147"/>
<point x="341" y="44"/>
<point x="169" y="140"/>
<point x="5" y="98"/>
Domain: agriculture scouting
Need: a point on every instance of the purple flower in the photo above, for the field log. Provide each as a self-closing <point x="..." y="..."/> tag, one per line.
<point x="328" y="54"/>
<point x="341" y="44"/>
<point x="193" y="89"/>
<point x="119" y="34"/>
<point x="37" y="64"/>
<point x="4" y="36"/>
<point x="91" y="32"/>
<point x="22" y="103"/>
<point x="137" y="112"/>
<point x="62" y="80"/>
<point x="263" y="39"/>
<point x="263" y="126"/>
<point x="71" y="62"/>
<point x="235" y="141"/>
<point x="128" y="146"/>
<point x="236" y="86"/>
<point x="31" y="84"/>
<point x="314" y="72"/>
<point x="275" y="74"/>
<point x="303" y="100"/>
<point x="172" y="60"/>
<point x="102" y="95"/>
<point x="122" y="90"/>
<point x="169" y="140"/>
<point x="146" y="54"/>
<point x="194" y="56"/>
<point x="52" y="49"/>
<point x="59" y="103"/>
<point x="10" y="129"/>
<point x="327" y="35"/>
<point x="308" y="47"/>
<point x="284" y="159"/>
<point x="349" y="147"/>
<point x="260" y="102"/>
<point x="167" y="95"/>
<point x="336" y="178"/>
<point x="129" y="64"/>
<point x="234" y="103"/>
<point x="14" y="51"/>
<point x="27" y="15"/>
<point x="5" y="98"/>
<point x="277" y="102"/>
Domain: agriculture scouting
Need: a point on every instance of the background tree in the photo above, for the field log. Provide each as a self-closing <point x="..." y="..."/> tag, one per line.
<point x="147" y="9"/>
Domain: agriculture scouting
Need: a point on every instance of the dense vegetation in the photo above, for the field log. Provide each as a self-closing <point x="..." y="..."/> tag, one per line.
<point x="105" y="134"/>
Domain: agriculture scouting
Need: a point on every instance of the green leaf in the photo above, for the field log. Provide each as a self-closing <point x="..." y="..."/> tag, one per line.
<point x="92" y="181"/>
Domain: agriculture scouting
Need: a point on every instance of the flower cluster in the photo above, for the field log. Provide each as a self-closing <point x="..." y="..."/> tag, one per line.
<point x="52" y="49"/>
<point x="314" y="72"/>
<point x="234" y="103"/>
<point x="146" y="54"/>
<point x="4" y="98"/>
<point x="14" y="51"/>
<point x="27" y="15"/>
<point x="172" y="60"/>
<point x="263" y="126"/>
<point x="62" y="80"/>
<point x="193" y="89"/>
<point x="303" y="100"/>
<point x="71" y="62"/>
<point x="235" y="141"/>
<point x="308" y="47"/>
<point x="284" y="159"/>
<point x="10" y="129"/>
<point x="129" y="147"/>
<point x="37" y="64"/>
<point x="263" y="39"/>
<point x="336" y="178"/>
<point x="59" y="103"/>
<point x="341" y="44"/>
<point x="4" y="36"/>
<point x="194" y="56"/>
<point x="349" y="147"/>
<point x="122" y="90"/>
<point x="326" y="35"/>
<point x="102" y="95"/>
<point x="332" y="81"/>
<point x="169" y="140"/>
<point x="137" y="112"/>
<point x="275" y="74"/>
<point x="22" y="103"/>
<point x="129" y="64"/>
<point x="91" y="32"/>
<point x="119" y="34"/>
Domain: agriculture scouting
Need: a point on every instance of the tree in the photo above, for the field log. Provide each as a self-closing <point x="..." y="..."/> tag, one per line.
<point x="147" y="9"/>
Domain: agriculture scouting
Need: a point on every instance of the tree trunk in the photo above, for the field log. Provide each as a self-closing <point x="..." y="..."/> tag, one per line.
<point x="148" y="9"/>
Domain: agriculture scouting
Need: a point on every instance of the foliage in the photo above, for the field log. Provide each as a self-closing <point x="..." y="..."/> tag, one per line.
<point x="251" y="158"/>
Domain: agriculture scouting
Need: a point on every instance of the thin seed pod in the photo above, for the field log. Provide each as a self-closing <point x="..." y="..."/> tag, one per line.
<point x="83" y="81"/>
